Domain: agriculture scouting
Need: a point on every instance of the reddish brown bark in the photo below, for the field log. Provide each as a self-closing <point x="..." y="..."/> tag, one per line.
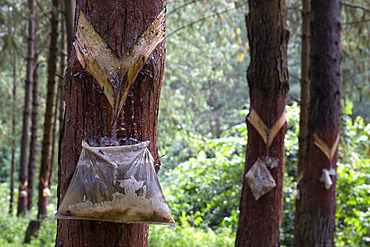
<point x="90" y="115"/>
<point x="48" y="120"/>
<point x="33" y="142"/>
<point x="260" y="221"/>
<point x="315" y="211"/>
<point x="305" y="83"/>
<point x="23" y="170"/>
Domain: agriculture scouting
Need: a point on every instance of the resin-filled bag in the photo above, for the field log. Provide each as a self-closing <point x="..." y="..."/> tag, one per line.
<point x="259" y="179"/>
<point x="116" y="184"/>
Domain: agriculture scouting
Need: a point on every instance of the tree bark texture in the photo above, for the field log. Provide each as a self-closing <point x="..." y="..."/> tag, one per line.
<point x="33" y="142"/>
<point x="315" y="211"/>
<point x="260" y="221"/>
<point x="69" y="6"/>
<point x="23" y="169"/>
<point x="48" y="119"/>
<point x="305" y="84"/>
<point x="13" y="143"/>
<point x="89" y="114"/>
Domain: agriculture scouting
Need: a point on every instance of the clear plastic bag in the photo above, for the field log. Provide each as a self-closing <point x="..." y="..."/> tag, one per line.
<point x="259" y="179"/>
<point x="117" y="184"/>
<point x="325" y="177"/>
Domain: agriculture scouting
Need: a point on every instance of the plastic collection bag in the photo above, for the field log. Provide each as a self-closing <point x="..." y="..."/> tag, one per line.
<point x="259" y="179"/>
<point x="117" y="184"/>
<point x="325" y="177"/>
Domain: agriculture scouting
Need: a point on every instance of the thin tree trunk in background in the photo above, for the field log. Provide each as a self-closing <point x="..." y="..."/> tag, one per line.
<point x="33" y="143"/>
<point x="305" y="84"/>
<point x="23" y="170"/>
<point x="64" y="57"/>
<point x="56" y="108"/>
<point x="13" y="143"/>
<point x="34" y="127"/>
<point x="89" y="114"/>
<point x="59" y="109"/>
<point x="69" y="7"/>
<point x="315" y="210"/>
<point x="48" y="122"/>
<point x="260" y="221"/>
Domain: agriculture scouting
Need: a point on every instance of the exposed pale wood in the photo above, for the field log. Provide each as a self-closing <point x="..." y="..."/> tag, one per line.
<point x="321" y="144"/>
<point x="115" y="75"/>
<point x="267" y="134"/>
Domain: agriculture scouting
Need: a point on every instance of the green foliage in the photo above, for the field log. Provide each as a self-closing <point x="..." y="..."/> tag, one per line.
<point x="199" y="186"/>
<point x="353" y="184"/>
<point x="208" y="185"/>
<point x="204" y="85"/>
<point x="13" y="228"/>
<point x="355" y="57"/>
<point x="184" y="235"/>
<point x="291" y="150"/>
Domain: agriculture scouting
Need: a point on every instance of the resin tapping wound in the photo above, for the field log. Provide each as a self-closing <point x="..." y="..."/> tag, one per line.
<point x="329" y="152"/>
<point x="113" y="73"/>
<point x="268" y="135"/>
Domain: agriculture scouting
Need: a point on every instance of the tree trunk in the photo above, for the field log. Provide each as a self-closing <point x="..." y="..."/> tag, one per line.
<point x="54" y="137"/>
<point x="315" y="211"/>
<point x="48" y="121"/>
<point x="260" y="221"/>
<point x="305" y="84"/>
<point x="32" y="230"/>
<point x="23" y="170"/>
<point x="33" y="143"/>
<point x="90" y="115"/>
<point x="64" y="57"/>
<point x="14" y="124"/>
<point x="59" y="109"/>
<point x="69" y="6"/>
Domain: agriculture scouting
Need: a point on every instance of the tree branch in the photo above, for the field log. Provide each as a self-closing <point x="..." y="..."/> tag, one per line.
<point x="355" y="6"/>
<point x="356" y="22"/>
<point x="180" y="7"/>
<point x="203" y="19"/>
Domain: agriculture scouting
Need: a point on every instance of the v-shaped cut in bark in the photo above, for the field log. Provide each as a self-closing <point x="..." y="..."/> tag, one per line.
<point x="267" y="134"/>
<point x="116" y="75"/>
<point x="321" y="144"/>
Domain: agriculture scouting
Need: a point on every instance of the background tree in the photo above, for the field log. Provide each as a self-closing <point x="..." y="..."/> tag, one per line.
<point x="305" y="82"/>
<point x="315" y="210"/>
<point x="69" y="7"/>
<point x="23" y="172"/>
<point x="260" y="221"/>
<point x="13" y="142"/>
<point x="59" y="103"/>
<point x="89" y="114"/>
<point x="48" y="120"/>
<point x="34" y="123"/>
